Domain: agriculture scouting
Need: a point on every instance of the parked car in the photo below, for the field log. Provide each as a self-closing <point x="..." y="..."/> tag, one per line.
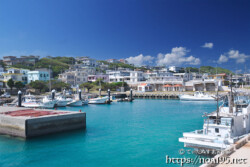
<point x="5" y="95"/>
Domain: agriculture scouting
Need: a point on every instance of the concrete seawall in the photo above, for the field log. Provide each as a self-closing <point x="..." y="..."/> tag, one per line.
<point x="240" y="150"/>
<point x="31" y="126"/>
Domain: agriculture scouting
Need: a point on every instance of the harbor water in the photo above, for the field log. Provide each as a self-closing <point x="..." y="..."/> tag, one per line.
<point x="122" y="134"/>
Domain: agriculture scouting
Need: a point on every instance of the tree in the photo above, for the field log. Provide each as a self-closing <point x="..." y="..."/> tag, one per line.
<point x="87" y="85"/>
<point x="19" y="85"/>
<point x="40" y="85"/>
<point x="11" y="84"/>
<point x="58" y="85"/>
<point x="57" y="66"/>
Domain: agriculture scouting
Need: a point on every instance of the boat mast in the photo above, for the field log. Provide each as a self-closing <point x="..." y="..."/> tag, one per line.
<point x="231" y="95"/>
<point x="100" y="88"/>
<point x="49" y="79"/>
<point x="217" y="99"/>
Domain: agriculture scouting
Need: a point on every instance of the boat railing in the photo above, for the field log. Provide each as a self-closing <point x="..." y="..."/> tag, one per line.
<point x="223" y="122"/>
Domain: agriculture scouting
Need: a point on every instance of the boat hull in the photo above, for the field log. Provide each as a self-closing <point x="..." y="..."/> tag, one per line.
<point x="192" y="98"/>
<point x="62" y="103"/>
<point x="98" y="101"/>
<point x="75" y="103"/>
<point x="39" y="105"/>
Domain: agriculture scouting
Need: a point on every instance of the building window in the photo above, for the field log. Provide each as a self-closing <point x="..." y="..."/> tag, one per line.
<point x="216" y="130"/>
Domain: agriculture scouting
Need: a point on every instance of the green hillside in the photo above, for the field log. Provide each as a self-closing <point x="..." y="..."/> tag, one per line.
<point x="209" y="69"/>
<point x="57" y="64"/>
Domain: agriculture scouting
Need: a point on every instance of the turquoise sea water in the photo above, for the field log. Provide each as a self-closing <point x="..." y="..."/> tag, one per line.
<point x="122" y="134"/>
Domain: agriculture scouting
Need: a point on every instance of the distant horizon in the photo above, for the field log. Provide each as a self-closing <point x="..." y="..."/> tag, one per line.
<point x="151" y="65"/>
<point x="145" y="32"/>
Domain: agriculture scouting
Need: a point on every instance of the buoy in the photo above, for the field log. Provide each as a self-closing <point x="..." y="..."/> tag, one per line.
<point x="80" y="110"/>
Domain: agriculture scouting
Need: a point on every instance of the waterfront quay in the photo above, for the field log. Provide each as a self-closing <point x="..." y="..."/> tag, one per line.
<point x="235" y="156"/>
<point x="159" y="95"/>
<point x="27" y="123"/>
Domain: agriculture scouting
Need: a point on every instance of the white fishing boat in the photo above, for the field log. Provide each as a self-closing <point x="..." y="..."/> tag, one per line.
<point x="48" y="102"/>
<point x="223" y="127"/>
<point x="31" y="101"/>
<point x="198" y="96"/>
<point x="99" y="100"/>
<point x="62" y="101"/>
<point x="76" y="101"/>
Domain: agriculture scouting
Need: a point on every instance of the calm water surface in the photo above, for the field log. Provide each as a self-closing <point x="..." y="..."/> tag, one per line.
<point x="124" y="134"/>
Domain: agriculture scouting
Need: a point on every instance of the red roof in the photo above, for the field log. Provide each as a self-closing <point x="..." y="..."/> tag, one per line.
<point x="143" y="84"/>
<point x="167" y="85"/>
<point x="178" y="85"/>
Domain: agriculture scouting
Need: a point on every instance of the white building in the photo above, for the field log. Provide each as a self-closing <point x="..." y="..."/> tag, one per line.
<point x="136" y="76"/>
<point x="74" y="78"/>
<point x="16" y="74"/>
<point x="184" y="76"/>
<point x="118" y="76"/>
<point x="103" y="77"/>
<point x="86" y="61"/>
<point x="144" y="87"/>
<point x="174" y="69"/>
<point x="158" y="76"/>
<point x="126" y="76"/>
<point x="38" y="75"/>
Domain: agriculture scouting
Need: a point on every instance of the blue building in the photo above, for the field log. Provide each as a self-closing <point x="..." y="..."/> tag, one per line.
<point x="38" y="75"/>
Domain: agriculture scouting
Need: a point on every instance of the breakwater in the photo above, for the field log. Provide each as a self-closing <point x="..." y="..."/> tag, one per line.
<point x="155" y="96"/>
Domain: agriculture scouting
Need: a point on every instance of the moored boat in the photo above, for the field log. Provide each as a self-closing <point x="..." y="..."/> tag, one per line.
<point x="31" y="101"/>
<point x="48" y="102"/>
<point x="221" y="128"/>
<point x="98" y="100"/>
<point x="198" y="96"/>
<point x="62" y="101"/>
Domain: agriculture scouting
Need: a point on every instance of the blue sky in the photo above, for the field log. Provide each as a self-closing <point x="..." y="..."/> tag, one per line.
<point x="163" y="32"/>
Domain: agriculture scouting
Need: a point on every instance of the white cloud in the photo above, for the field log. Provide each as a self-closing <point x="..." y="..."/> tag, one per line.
<point x="222" y="59"/>
<point x="233" y="54"/>
<point x="208" y="45"/>
<point x="140" y="60"/>
<point x="178" y="56"/>
<point x="239" y="57"/>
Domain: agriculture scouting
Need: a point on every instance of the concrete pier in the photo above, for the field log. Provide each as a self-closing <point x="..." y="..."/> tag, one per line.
<point x="28" y="123"/>
<point x="237" y="155"/>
